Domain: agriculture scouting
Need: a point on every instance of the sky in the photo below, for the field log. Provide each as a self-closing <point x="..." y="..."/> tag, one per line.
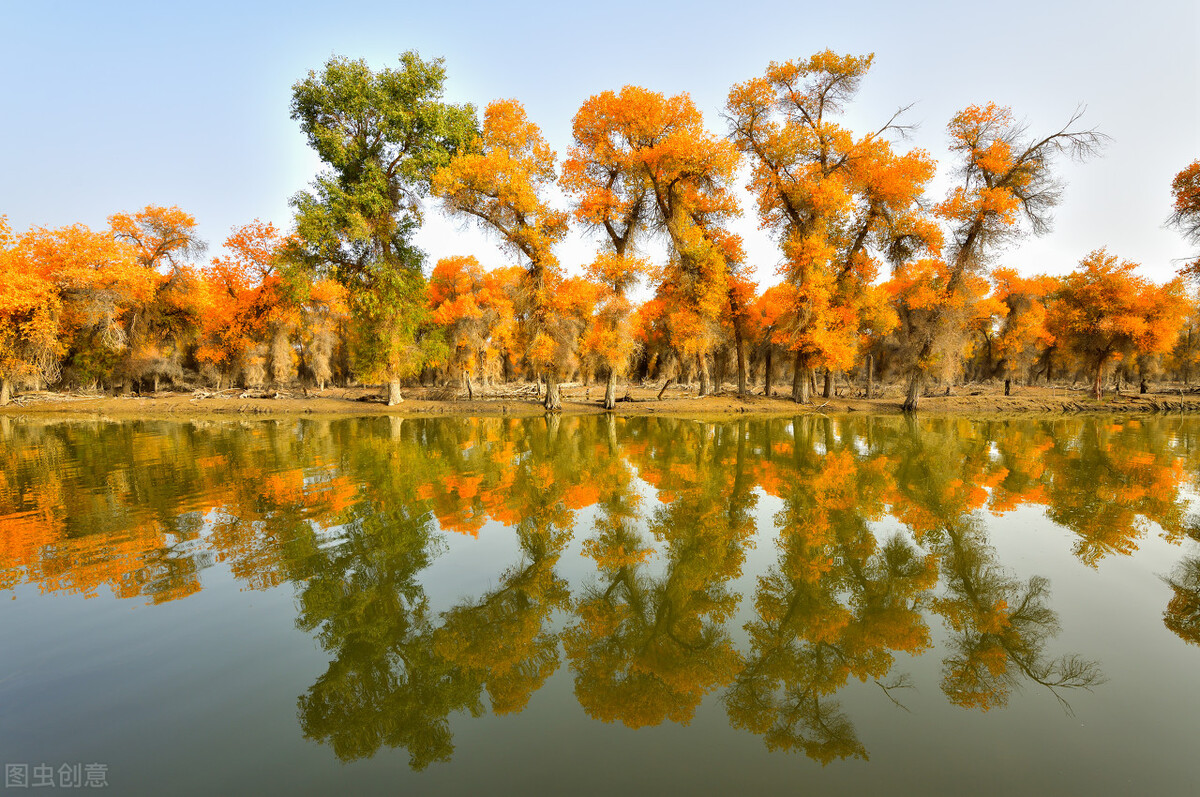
<point x="113" y="106"/>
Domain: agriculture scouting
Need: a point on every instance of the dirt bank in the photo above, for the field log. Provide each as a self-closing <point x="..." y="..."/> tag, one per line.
<point x="578" y="399"/>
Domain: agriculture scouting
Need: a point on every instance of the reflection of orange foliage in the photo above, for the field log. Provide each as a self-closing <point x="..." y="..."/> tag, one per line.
<point x="579" y="496"/>
<point x="22" y="538"/>
<point x="286" y="487"/>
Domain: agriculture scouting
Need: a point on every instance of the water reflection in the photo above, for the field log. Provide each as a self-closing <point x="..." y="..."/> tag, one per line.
<point x="879" y="527"/>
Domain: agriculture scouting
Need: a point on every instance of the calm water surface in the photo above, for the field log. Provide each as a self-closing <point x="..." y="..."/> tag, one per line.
<point x="597" y="605"/>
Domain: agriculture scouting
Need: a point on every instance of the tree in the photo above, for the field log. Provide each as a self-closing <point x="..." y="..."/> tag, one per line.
<point x="830" y="198"/>
<point x="1186" y="354"/>
<point x="1023" y="335"/>
<point x="475" y="312"/>
<point x="1105" y="312"/>
<point x="743" y="322"/>
<point x="99" y="284"/>
<point x="643" y="160"/>
<point x="29" y="312"/>
<point x="926" y="294"/>
<point x="1004" y="177"/>
<point x="501" y="182"/>
<point x="1185" y="214"/>
<point x="165" y="243"/>
<point x="690" y="173"/>
<point x="771" y="308"/>
<point x="323" y="314"/>
<point x="245" y="307"/>
<point x="382" y="135"/>
<point x="603" y="173"/>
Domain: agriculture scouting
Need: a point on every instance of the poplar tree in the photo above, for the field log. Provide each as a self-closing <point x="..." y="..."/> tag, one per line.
<point x="382" y="135"/>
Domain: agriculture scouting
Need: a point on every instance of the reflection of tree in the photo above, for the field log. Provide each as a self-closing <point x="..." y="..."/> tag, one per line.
<point x="399" y="671"/>
<point x="1001" y="626"/>
<point x="351" y="513"/>
<point x="386" y="686"/>
<point x="1020" y="462"/>
<point x="91" y="505"/>
<point x="1107" y="480"/>
<point x="1182" y="615"/>
<point x="1183" y="611"/>
<point x="835" y="606"/>
<point x="501" y="638"/>
<point x="647" y="649"/>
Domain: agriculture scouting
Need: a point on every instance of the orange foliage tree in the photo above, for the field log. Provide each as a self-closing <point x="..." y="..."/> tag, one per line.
<point x="99" y="284"/>
<point x="476" y="311"/>
<point x="165" y="243"/>
<point x="655" y="150"/>
<point x="1023" y="335"/>
<point x="29" y="309"/>
<point x="829" y="197"/>
<point x="610" y="339"/>
<point x="244" y="306"/>
<point x="742" y="321"/>
<point x="690" y="173"/>
<point x="1003" y="177"/>
<point x="1105" y="312"/>
<point x="1185" y="215"/>
<point x="603" y="173"/>
<point x="501" y="182"/>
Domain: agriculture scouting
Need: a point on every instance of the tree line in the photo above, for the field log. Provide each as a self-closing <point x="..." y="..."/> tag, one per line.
<point x="877" y="279"/>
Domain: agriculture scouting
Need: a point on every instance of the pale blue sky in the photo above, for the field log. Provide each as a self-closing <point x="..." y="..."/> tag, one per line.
<point x="113" y="106"/>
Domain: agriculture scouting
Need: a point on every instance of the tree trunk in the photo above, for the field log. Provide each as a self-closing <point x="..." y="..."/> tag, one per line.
<point x="553" y="401"/>
<point x="1096" y="390"/>
<point x="741" y="361"/>
<point x="702" y="372"/>
<point x="1007" y="386"/>
<point x="870" y="375"/>
<point x="610" y="390"/>
<point x="797" y="375"/>
<point x="393" y="393"/>
<point x="914" y="392"/>
<point x="5" y="391"/>
<point x="767" y="368"/>
<point x="470" y="388"/>
<point x="801" y="383"/>
<point x="666" y="384"/>
<point x="828" y="391"/>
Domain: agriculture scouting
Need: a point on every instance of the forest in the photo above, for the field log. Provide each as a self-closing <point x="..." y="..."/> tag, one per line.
<point x="878" y="282"/>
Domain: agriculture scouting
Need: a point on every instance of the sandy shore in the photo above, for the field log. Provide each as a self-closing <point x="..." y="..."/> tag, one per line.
<point x="577" y="399"/>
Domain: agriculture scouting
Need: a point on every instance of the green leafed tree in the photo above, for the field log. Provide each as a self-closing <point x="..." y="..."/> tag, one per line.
<point x="381" y="134"/>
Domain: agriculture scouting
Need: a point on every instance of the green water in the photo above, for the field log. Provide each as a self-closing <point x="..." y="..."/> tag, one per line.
<point x="596" y="605"/>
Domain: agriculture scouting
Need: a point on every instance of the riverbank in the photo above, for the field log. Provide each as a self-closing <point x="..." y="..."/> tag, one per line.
<point x="578" y="399"/>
